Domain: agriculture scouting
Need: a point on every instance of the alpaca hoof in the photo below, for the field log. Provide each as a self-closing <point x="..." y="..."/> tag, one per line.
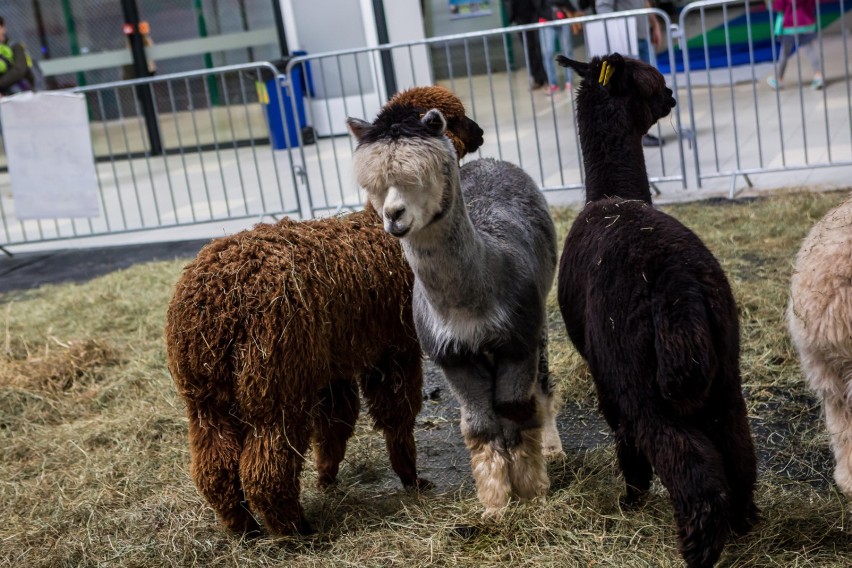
<point x="742" y="522"/>
<point x="325" y="483"/>
<point x="632" y="499"/>
<point x="537" y="500"/>
<point x="421" y="484"/>
<point x="243" y="523"/>
<point x="299" y="527"/>
<point x="253" y="534"/>
<point x="305" y="528"/>
<point x="494" y="514"/>
<point x="553" y="453"/>
<point x="551" y="445"/>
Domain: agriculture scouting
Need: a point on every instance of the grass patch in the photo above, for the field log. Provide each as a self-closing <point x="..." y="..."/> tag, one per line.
<point x="93" y="452"/>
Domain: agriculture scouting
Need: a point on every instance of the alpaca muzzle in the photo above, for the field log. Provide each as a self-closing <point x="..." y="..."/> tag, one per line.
<point x="395" y="225"/>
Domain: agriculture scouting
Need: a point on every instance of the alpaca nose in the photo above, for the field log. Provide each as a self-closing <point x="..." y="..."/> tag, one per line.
<point x="394" y="214"/>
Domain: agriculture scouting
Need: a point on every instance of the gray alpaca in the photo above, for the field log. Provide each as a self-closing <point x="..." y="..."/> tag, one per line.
<point x="482" y="246"/>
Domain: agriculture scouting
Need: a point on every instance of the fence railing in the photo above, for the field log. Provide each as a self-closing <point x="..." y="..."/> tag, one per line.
<point x="748" y="126"/>
<point x="216" y="163"/>
<point x="490" y="72"/>
<point x="228" y="161"/>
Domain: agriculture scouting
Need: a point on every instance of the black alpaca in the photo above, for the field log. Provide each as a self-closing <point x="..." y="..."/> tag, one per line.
<point x="650" y="310"/>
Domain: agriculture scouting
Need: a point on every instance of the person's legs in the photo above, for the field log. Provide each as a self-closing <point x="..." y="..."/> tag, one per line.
<point x="644" y="46"/>
<point x="811" y="48"/>
<point x="644" y="50"/>
<point x="547" y="38"/>
<point x="567" y="49"/>
<point x="539" y="77"/>
<point x="787" y="43"/>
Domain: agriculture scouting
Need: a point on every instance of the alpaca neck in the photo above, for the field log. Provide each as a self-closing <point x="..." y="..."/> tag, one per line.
<point x="615" y="166"/>
<point x="449" y="258"/>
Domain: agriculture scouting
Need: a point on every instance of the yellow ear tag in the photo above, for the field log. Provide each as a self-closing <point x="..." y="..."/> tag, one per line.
<point x="603" y="73"/>
<point x="609" y="71"/>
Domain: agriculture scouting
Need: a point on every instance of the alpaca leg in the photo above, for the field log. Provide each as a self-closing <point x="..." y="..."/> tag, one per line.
<point x="838" y="420"/>
<point x="490" y="468"/>
<point x="634" y="464"/>
<point x="548" y="402"/>
<point x="635" y="467"/>
<point x="527" y="469"/>
<point x="334" y="423"/>
<point x="521" y="414"/>
<point x="270" y="466"/>
<point x="473" y="385"/>
<point x="692" y="470"/>
<point x="831" y="380"/>
<point x="215" y="443"/>
<point x="394" y="392"/>
<point x="732" y="437"/>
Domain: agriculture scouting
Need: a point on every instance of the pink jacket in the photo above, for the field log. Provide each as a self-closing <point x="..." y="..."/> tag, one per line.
<point x="804" y="14"/>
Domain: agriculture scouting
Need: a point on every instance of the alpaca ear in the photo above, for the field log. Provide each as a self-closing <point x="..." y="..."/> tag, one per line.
<point x="469" y="133"/>
<point x="579" y="68"/>
<point x="612" y="70"/>
<point x="434" y="122"/>
<point x="359" y="128"/>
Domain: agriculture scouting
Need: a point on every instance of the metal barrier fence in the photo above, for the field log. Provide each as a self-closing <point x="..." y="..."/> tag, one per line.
<point x="220" y="166"/>
<point x="744" y="126"/>
<point x="490" y="72"/>
<point x="216" y="163"/>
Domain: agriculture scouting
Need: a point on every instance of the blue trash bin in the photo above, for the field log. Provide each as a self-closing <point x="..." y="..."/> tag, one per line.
<point x="284" y="133"/>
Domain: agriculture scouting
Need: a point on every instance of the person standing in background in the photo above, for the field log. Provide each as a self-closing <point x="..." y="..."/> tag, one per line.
<point x="16" y="74"/>
<point x="521" y="12"/>
<point x="128" y="72"/>
<point x="552" y="10"/>
<point x="796" y="20"/>
<point x="647" y="29"/>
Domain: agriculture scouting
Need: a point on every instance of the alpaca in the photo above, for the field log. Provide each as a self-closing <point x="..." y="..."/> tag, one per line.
<point x="650" y="310"/>
<point x="482" y="246"/>
<point x="820" y="319"/>
<point x="270" y="334"/>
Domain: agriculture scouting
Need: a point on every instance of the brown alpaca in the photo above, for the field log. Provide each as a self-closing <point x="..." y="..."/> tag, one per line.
<point x="270" y="334"/>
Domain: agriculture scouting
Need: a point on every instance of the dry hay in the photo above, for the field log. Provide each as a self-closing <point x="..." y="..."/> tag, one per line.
<point x="96" y="473"/>
<point x="57" y="369"/>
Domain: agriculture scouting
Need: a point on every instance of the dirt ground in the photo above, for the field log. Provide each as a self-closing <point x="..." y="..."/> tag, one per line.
<point x="443" y="459"/>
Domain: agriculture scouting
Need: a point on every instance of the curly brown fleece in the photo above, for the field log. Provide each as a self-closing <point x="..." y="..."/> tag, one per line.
<point x="270" y="334"/>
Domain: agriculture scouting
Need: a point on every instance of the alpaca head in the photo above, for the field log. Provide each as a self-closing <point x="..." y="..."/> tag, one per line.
<point x="620" y="91"/>
<point x="403" y="162"/>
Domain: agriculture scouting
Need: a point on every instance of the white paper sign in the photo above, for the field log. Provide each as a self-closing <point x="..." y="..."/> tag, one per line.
<point x="49" y="152"/>
<point x="612" y="36"/>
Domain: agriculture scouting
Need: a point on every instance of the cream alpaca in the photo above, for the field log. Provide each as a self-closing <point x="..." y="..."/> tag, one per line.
<point x="820" y="319"/>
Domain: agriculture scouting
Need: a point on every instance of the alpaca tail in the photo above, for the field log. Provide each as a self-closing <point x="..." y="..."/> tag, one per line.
<point x="685" y="349"/>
